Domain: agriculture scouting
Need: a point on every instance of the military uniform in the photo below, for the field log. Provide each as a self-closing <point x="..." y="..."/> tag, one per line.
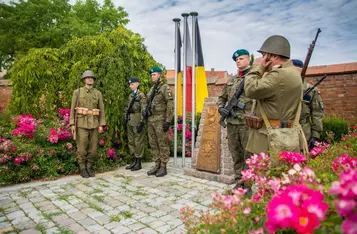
<point x="312" y="113"/>
<point x="236" y="127"/>
<point x="279" y="93"/>
<point x="135" y="128"/>
<point x="88" y="123"/>
<point x="161" y="112"/>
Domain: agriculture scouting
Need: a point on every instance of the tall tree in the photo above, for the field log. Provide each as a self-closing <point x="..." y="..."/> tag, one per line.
<point x="51" y="23"/>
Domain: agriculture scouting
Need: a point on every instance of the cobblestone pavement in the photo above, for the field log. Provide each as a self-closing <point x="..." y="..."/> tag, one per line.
<point x="120" y="201"/>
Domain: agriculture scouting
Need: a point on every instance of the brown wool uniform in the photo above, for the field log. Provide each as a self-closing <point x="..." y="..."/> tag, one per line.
<point x="162" y="110"/>
<point x="136" y="140"/>
<point x="87" y="125"/>
<point x="236" y="127"/>
<point x="312" y="113"/>
<point x="279" y="93"/>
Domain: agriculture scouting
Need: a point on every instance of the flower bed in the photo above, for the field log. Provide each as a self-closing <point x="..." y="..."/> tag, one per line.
<point x="291" y="194"/>
<point x="43" y="149"/>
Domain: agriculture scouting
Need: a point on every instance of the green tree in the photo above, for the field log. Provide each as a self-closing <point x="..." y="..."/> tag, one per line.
<point x="44" y="80"/>
<point x="51" y="23"/>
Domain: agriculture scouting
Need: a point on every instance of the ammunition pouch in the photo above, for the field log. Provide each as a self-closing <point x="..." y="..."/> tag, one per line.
<point x="85" y="111"/>
<point x="253" y="121"/>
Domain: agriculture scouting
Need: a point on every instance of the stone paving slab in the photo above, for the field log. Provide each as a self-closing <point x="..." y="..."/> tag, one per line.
<point x="120" y="201"/>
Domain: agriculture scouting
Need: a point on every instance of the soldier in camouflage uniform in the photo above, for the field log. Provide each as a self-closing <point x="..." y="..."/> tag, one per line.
<point x="135" y="124"/>
<point x="312" y="111"/>
<point x="90" y="119"/>
<point x="159" y="118"/>
<point x="236" y="127"/>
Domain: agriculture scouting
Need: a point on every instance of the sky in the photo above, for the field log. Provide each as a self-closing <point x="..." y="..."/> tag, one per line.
<point x="228" y="25"/>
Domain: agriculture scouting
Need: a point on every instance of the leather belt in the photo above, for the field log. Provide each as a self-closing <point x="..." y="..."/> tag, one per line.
<point x="280" y="123"/>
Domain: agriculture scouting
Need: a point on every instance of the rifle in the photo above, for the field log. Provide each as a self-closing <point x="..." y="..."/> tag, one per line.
<point x="307" y="91"/>
<point x="76" y="112"/>
<point x="128" y="112"/>
<point x="147" y="111"/>
<point x="308" y="56"/>
<point x="233" y="103"/>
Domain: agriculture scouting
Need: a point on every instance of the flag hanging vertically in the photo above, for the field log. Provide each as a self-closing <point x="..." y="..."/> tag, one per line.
<point x="188" y="71"/>
<point x="179" y="73"/>
<point x="201" y="81"/>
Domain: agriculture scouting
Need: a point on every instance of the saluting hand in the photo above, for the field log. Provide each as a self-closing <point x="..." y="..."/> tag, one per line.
<point x="100" y="129"/>
<point x="264" y="61"/>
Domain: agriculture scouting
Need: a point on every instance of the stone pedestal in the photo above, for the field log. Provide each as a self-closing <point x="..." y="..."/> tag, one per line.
<point x="225" y="174"/>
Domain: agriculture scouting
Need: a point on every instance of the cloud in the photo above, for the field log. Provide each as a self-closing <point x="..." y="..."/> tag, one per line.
<point x="227" y="25"/>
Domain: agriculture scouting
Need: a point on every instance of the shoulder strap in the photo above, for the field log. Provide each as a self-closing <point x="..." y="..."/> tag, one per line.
<point x="265" y="118"/>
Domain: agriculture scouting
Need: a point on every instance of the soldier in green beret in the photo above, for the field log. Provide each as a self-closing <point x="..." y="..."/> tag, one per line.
<point x="87" y="120"/>
<point x="312" y="111"/>
<point x="134" y="122"/>
<point x="159" y="112"/>
<point x="236" y="127"/>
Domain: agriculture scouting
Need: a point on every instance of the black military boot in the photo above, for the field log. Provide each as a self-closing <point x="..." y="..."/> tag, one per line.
<point x="132" y="164"/>
<point x="154" y="169"/>
<point x="84" y="173"/>
<point x="90" y="170"/>
<point x="137" y="166"/>
<point x="162" y="171"/>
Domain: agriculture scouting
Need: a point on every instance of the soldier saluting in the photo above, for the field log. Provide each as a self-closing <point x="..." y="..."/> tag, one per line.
<point x="87" y="120"/>
<point x="134" y="122"/>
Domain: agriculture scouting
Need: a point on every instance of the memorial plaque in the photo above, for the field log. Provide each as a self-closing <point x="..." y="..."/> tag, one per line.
<point x="208" y="158"/>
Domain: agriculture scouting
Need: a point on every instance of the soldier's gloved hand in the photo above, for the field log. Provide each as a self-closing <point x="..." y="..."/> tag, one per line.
<point x="140" y="127"/>
<point x="223" y="111"/>
<point x="145" y="113"/>
<point x="312" y="142"/>
<point x="165" y="126"/>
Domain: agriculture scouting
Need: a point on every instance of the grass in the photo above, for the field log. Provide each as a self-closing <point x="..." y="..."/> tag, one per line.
<point x="98" y="198"/>
<point x="96" y="207"/>
<point x="49" y="216"/>
<point x="63" y="231"/>
<point x="41" y="227"/>
<point x="63" y="197"/>
<point x="139" y="193"/>
<point x="126" y="214"/>
<point x="25" y="193"/>
<point x="115" y="218"/>
<point x="96" y="190"/>
<point x="103" y="185"/>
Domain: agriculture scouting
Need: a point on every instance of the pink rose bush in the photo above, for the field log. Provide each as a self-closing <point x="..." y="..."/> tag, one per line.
<point x="26" y="126"/>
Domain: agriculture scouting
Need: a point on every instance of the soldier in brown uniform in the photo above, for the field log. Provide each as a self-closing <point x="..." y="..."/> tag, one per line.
<point x="312" y="111"/>
<point x="134" y="122"/>
<point x="236" y="127"/>
<point x="87" y="120"/>
<point x="279" y="92"/>
<point x="159" y="111"/>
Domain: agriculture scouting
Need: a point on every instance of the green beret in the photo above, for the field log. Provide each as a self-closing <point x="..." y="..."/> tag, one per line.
<point x="239" y="53"/>
<point x="155" y="69"/>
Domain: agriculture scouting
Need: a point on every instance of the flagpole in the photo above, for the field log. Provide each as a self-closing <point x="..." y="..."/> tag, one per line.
<point x="184" y="65"/>
<point x="193" y="113"/>
<point x="177" y="25"/>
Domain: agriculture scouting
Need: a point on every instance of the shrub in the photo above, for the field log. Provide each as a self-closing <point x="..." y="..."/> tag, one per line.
<point x="334" y="129"/>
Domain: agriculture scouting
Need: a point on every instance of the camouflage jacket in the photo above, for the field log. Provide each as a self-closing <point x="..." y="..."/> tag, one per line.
<point x="312" y="113"/>
<point x="138" y="106"/>
<point x="162" y="107"/>
<point x="245" y="103"/>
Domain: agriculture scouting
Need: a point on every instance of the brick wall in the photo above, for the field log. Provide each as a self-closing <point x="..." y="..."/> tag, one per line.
<point x="339" y="94"/>
<point x="5" y="92"/>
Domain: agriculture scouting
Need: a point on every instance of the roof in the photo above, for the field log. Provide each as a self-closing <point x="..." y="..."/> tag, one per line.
<point x="332" y="69"/>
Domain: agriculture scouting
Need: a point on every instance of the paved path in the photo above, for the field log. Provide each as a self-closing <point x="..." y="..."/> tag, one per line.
<point x="120" y="201"/>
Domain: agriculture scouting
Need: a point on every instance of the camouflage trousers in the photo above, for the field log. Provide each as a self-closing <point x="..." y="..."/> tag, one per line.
<point x="87" y="142"/>
<point x="136" y="142"/>
<point x="159" y="143"/>
<point x="237" y="140"/>
<point x="306" y="128"/>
